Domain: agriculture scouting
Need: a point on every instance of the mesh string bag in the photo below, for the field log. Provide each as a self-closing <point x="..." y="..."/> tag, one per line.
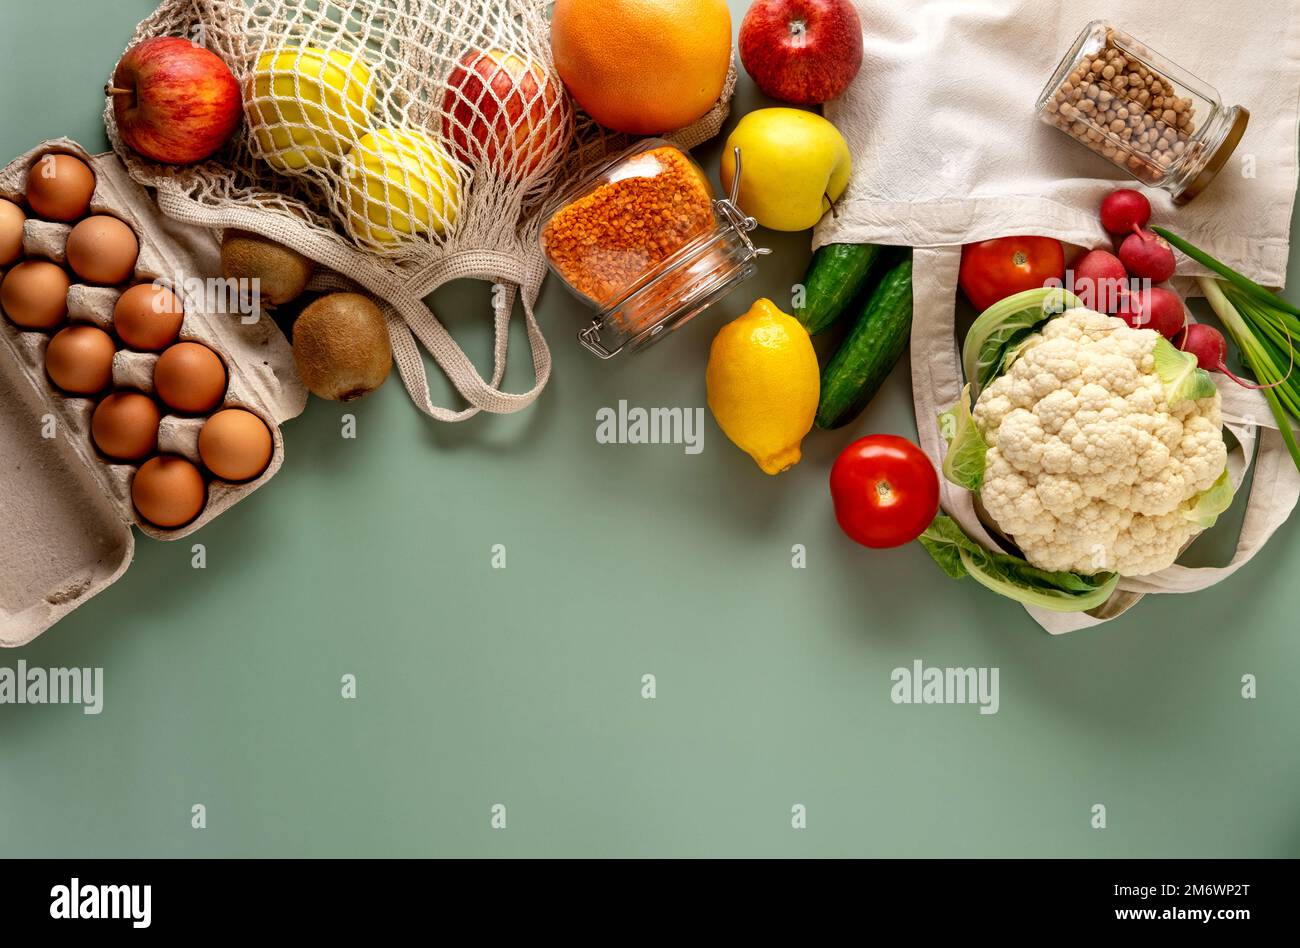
<point x="402" y="144"/>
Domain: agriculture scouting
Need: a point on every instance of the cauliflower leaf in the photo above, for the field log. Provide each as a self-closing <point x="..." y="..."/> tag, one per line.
<point x="1010" y="576"/>
<point x="1178" y="370"/>
<point x="963" y="464"/>
<point x="997" y="336"/>
<point x="1205" y="508"/>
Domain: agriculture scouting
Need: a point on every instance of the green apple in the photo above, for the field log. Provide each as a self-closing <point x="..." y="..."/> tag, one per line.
<point x="794" y="164"/>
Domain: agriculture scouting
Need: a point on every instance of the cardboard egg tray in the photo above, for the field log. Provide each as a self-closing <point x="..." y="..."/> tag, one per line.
<point x="65" y="510"/>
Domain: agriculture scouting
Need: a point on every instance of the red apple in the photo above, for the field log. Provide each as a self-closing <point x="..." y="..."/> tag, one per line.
<point x="801" y="51"/>
<point x="503" y="113"/>
<point x="173" y="101"/>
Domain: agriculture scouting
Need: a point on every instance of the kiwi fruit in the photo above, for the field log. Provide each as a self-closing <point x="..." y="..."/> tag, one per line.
<point x="340" y="345"/>
<point x="282" y="272"/>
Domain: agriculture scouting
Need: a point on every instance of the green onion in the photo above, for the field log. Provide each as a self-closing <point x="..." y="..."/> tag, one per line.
<point x="1232" y="276"/>
<point x="1270" y="363"/>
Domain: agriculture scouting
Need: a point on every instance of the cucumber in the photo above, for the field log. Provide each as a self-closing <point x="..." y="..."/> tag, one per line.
<point x="870" y="351"/>
<point x="837" y="273"/>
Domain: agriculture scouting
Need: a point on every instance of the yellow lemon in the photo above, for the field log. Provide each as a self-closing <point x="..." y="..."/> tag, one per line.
<point x="400" y="183"/>
<point x="307" y="107"/>
<point x="763" y="385"/>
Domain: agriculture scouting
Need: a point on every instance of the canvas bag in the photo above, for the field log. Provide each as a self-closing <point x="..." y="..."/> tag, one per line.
<point x="947" y="150"/>
<point x="410" y="48"/>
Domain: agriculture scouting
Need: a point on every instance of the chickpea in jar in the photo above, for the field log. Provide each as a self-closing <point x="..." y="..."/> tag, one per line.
<point x="1144" y="114"/>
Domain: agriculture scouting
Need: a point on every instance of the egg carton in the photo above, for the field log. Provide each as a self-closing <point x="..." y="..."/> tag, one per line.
<point x="65" y="510"/>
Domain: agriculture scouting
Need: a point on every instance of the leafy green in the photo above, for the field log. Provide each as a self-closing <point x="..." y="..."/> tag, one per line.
<point x="1275" y="344"/>
<point x="1205" y="507"/>
<point x="943" y="539"/>
<point x="1180" y="375"/>
<point x="995" y="338"/>
<point x="1011" y="576"/>
<point x="963" y="464"/>
<point x="1245" y="284"/>
<point x="1260" y="351"/>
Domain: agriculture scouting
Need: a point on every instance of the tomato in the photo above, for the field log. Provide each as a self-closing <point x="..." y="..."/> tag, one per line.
<point x="885" y="491"/>
<point x="992" y="270"/>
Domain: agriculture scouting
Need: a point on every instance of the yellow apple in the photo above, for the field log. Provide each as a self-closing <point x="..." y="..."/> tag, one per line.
<point x="307" y="107"/>
<point x="793" y="164"/>
<point x="400" y="184"/>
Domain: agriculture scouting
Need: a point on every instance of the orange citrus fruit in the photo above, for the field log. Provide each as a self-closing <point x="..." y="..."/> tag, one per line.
<point x="643" y="66"/>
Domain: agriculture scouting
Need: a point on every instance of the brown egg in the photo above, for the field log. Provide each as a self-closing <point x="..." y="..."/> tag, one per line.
<point x="125" y="426"/>
<point x="235" y="445"/>
<point x="148" y="317"/>
<point x="168" y="491"/>
<point x="34" y="294"/>
<point x="11" y="232"/>
<point x="102" y="249"/>
<point x="190" y="378"/>
<point x="79" y="359"/>
<point x="59" y="187"/>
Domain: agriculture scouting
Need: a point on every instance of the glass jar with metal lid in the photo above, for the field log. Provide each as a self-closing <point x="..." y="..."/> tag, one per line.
<point x="643" y="240"/>
<point x="1146" y="115"/>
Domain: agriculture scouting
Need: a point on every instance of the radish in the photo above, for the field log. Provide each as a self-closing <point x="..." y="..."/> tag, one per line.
<point x="1206" y="343"/>
<point x="1211" y="351"/>
<point x="1147" y="256"/>
<point x="1125" y="210"/>
<point x="1100" y="280"/>
<point x="1154" y="308"/>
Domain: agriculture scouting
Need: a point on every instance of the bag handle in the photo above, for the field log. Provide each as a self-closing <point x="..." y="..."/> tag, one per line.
<point x="414" y="320"/>
<point x="937" y="378"/>
<point x="408" y="317"/>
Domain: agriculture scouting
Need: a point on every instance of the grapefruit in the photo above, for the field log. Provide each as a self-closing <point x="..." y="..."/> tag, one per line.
<point x="643" y="66"/>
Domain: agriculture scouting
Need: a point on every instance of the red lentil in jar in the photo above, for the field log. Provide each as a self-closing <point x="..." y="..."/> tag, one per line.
<point x="643" y="241"/>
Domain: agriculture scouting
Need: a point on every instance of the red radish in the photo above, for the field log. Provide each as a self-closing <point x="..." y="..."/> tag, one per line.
<point x="1100" y="281"/>
<point x="1147" y="256"/>
<point x="1125" y="210"/>
<point x="1211" y="351"/>
<point x="1206" y="343"/>
<point x="1154" y="308"/>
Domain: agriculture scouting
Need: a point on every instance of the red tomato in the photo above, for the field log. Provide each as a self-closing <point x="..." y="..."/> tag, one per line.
<point x="885" y="490"/>
<point x="992" y="270"/>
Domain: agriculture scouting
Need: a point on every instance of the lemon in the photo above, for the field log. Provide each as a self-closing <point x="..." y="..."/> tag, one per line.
<point x="308" y="106"/>
<point x="400" y="183"/>
<point x="763" y="385"/>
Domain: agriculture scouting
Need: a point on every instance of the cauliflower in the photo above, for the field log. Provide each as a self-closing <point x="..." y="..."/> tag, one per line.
<point x="1089" y="466"/>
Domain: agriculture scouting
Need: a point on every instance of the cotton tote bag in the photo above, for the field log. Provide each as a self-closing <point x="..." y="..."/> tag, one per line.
<point x="948" y="150"/>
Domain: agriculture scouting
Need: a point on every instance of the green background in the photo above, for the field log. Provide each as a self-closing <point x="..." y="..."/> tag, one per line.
<point x="522" y="686"/>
